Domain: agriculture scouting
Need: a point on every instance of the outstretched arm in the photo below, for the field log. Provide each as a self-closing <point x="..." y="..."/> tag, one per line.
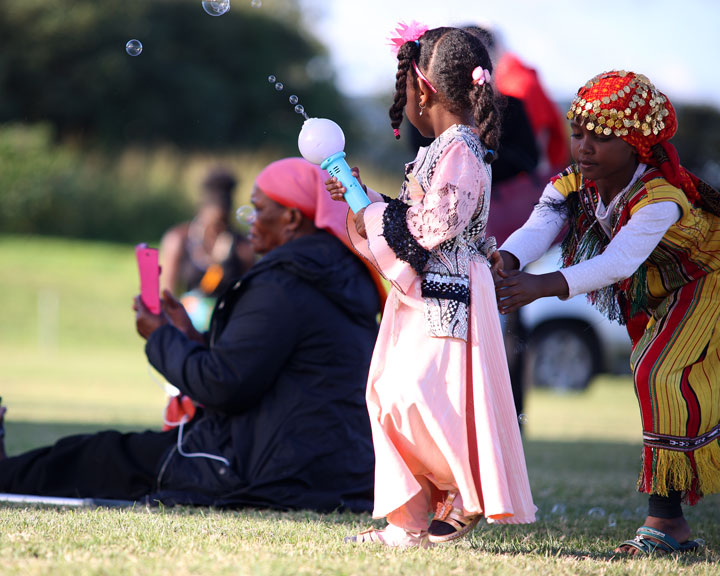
<point x="515" y="289"/>
<point x="625" y="253"/>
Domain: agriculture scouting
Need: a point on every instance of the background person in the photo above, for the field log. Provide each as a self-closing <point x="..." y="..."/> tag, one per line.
<point x="201" y="258"/>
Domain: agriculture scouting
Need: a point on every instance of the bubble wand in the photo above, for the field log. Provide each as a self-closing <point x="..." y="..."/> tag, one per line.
<point x="321" y="141"/>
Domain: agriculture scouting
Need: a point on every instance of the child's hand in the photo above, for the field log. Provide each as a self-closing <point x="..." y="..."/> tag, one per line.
<point x="515" y="289"/>
<point x="356" y="172"/>
<point x="336" y="189"/>
<point x="496" y="264"/>
<point x="360" y="223"/>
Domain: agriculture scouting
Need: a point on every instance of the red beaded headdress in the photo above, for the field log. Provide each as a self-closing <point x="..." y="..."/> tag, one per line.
<point x="628" y="106"/>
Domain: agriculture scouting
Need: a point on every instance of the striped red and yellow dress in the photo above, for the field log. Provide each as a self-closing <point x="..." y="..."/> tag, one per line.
<point x="671" y="307"/>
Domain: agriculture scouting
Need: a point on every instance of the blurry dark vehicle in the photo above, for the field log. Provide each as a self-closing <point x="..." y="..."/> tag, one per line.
<point x="568" y="342"/>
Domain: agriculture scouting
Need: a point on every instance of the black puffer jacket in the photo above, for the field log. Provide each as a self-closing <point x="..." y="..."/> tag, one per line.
<point x="282" y="384"/>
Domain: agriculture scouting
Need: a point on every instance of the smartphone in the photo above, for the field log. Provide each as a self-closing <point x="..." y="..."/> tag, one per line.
<point x="149" y="270"/>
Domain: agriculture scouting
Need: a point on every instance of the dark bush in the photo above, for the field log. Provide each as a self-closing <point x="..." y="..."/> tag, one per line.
<point x="50" y="189"/>
<point x="200" y="82"/>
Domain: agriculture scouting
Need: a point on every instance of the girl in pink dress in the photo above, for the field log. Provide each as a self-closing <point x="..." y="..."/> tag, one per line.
<point x="444" y="426"/>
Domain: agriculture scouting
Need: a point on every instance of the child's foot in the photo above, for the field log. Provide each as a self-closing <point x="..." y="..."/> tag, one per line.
<point x="3" y="455"/>
<point x="449" y="522"/>
<point x="677" y="529"/>
<point x="392" y="536"/>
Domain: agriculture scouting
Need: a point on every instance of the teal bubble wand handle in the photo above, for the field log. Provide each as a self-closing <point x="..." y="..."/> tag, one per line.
<point x="355" y="195"/>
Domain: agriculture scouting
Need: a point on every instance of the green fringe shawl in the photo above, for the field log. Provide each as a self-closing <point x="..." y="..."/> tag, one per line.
<point x="586" y="239"/>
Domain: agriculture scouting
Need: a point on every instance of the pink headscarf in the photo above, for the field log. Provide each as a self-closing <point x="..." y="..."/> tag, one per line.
<point x="296" y="183"/>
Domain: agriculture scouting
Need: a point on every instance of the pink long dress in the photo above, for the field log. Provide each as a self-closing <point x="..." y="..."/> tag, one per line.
<point x="441" y="408"/>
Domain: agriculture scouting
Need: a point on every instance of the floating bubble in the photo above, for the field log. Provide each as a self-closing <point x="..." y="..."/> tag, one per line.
<point x="558" y="509"/>
<point x="300" y="109"/>
<point x="523" y="419"/>
<point x="134" y="47"/>
<point x="279" y="86"/>
<point x="256" y="3"/>
<point x="641" y="511"/>
<point x="245" y="214"/>
<point x="216" y="7"/>
<point x="272" y="79"/>
<point x="293" y="99"/>
<point x="612" y="521"/>
<point x="596" y="512"/>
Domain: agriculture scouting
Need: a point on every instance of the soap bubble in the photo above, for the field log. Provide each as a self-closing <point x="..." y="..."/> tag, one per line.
<point x="293" y="99"/>
<point x="612" y="521"/>
<point x="523" y="419"/>
<point x="216" y="7"/>
<point x="596" y="512"/>
<point x="245" y="214"/>
<point x="134" y="47"/>
<point x="300" y="109"/>
<point x="558" y="509"/>
<point x="272" y="79"/>
<point x="256" y="3"/>
<point x="279" y="86"/>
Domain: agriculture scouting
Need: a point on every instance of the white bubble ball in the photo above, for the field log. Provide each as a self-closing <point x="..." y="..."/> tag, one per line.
<point x="319" y="139"/>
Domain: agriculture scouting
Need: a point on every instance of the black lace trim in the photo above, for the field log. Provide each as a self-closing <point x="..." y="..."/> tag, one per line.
<point x="398" y="237"/>
<point x="444" y="291"/>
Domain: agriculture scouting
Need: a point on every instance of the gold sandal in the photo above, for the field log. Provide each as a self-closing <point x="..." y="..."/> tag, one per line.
<point x="370" y="536"/>
<point x="449" y="522"/>
<point x="375" y="536"/>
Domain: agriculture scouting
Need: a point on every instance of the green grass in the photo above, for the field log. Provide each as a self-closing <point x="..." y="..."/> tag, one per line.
<point x="86" y="371"/>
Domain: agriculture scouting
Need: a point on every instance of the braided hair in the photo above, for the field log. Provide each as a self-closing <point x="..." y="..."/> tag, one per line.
<point x="450" y="55"/>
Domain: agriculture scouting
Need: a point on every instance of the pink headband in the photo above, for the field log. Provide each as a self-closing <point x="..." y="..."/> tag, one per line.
<point x="422" y="77"/>
<point x="480" y="76"/>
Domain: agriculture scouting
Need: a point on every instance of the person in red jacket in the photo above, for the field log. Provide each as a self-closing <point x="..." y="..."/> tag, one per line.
<point x="514" y="78"/>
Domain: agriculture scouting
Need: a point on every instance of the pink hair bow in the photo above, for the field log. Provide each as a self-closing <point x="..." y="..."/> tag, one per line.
<point x="480" y="76"/>
<point x="406" y="33"/>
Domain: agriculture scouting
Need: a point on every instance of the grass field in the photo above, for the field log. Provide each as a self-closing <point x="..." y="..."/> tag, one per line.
<point x="70" y="362"/>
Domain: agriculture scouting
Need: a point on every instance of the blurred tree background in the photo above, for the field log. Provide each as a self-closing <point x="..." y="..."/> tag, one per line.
<point x="95" y="143"/>
<point x="200" y="82"/>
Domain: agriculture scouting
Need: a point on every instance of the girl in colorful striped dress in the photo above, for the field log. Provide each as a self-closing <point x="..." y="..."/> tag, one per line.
<point x="643" y="242"/>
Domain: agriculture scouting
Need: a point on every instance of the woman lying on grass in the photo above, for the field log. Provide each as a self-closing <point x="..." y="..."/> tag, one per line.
<point x="279" y="379"/>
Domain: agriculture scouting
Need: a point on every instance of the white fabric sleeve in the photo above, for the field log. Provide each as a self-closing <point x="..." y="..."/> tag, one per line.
<point x="630" y="247"/>
<point x="543" y="225"/>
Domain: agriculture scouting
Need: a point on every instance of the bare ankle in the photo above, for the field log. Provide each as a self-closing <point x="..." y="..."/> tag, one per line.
<point x="678" y="527"/>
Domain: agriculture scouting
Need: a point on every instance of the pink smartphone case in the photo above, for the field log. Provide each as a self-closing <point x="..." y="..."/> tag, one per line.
<point x="149" y="269"/>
